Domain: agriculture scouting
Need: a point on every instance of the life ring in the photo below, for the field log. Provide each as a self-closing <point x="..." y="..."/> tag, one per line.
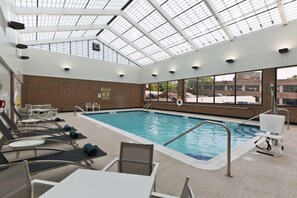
<point x="179" y="102"/>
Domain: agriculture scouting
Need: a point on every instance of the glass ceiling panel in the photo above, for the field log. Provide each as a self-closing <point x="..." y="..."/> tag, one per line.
<point x="209" y="38"/>
<point x="25" y="3"/>
<point x="290" y="8"/>
<point x="152" y="21"/>
<point x="107" y="36"/>
<point x="145" y="61"/>
<point x="160" y="55"/>
<point x="86" y="20"/>
<point x="119" y="43"/>
<point x="75" y="3"/>
<point x="95" y="4"/>
<point x="163" y="31"/>
<point x="102" y="20"/>
<point x="63" y="34"/>
<point x="181" y="48"/>
<point x="139" y="9"/>
<point x="128" y="49"/>
<point x="247" y="16"/>
<point x="121" y="25"/>
<point x="91" y="32"/>
<point x="151" y="49"/>
<point x="172" y="40"/>
<point x="28" y="37"/>
<point x="116" y="4"/>
<point x="68" y="20"/>
<point x="78" y="33"/>
<point x="136" y="55"/>
<point x="45" y="35"/>
<point x="142" y="42"/>
<point x="51" y="3"/>
<point x="48" y="20"/>
<point x="133" y="34"/>
<point x="28" y="20"/>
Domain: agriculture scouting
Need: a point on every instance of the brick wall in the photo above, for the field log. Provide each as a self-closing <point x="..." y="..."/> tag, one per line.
<point x="66" y="93"/>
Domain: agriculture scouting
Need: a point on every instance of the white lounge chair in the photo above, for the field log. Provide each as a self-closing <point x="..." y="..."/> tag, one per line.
<point x="272" y="127"/>
<point x="95" y="106"/>
<point x="89" y="106"/>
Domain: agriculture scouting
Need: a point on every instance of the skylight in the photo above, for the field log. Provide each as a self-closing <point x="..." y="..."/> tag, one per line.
<point x="146" y="32"/>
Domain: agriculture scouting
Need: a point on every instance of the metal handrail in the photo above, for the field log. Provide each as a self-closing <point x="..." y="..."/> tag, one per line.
<point x="228" y="141"/>
<point x="78" y="108"/>
<point x="281" y="109"/>
<point x="146" y="106"/>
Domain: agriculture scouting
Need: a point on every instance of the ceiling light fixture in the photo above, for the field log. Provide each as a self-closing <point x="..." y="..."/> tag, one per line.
<point x="16" y="25"/>
<point x="283" y="50"/>
<point x="230" y="61"/>
<point x="22" y="46"/>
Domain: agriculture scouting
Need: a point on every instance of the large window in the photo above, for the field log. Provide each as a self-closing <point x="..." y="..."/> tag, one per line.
<point x="205" y="89"/>
<point x="172" y="90"/>
<point x="249" y="87"/>
<point x="225" y="89"/>
<point x="191" y="90"/>
<point x="153" y="92"/>
<point x="163" y="92"/>
<point x="287" y="86"/>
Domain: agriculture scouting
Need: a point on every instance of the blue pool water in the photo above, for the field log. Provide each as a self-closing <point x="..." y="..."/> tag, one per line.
<point x="203" y="143"/>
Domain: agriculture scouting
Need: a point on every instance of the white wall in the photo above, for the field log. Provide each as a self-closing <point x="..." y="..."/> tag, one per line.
<point x="255" y="51"/>
<point x="9" y="38"/>
<point x="45" y="63"/>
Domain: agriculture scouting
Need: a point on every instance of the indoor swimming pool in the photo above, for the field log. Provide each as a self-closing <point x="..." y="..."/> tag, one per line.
<point x="203" y="143"/>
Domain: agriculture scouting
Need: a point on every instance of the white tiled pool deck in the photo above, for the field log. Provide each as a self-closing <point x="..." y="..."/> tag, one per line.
<point x="265" y="176"/>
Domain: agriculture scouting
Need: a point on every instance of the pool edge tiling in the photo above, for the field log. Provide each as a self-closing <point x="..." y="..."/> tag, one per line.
<point x="215" y="163"/>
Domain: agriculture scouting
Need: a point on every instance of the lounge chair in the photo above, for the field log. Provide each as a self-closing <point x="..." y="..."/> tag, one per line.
<point x="22" y="117"/>
<point x="135" y="159"/>
<point x="16" y="182"/>
<point x="50" y="139"/>
<point x="56" y="160"/>
<point x="272" y="127"/>
<point x="37" y="128"/>
<point x="186" y="192"/>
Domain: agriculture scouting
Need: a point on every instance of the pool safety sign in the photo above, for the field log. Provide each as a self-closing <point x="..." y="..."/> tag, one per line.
<point x="105" y="93"/>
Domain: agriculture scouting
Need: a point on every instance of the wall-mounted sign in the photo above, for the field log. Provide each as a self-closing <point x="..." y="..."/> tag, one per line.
<point x="105" y="89"/>
<point x="105" y="95"/>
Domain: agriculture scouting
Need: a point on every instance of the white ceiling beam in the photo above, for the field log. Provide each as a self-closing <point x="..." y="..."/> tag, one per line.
<point x="130" y="43"/>
<point x="62" y="28"/>
<point x="58" y="11"/>
<point x="129" y="58"/>
<point x="47" y="41"/>
<point x="167" y="17"/>
<point x="281" y="12"/>
<point x="219" y="19"/>
<point x="147" y="34"/>
<point x="64" y="11"/>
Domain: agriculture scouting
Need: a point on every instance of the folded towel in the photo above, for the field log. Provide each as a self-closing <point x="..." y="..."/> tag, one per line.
<point x="67" y="127"/>
<point x="90" y="149"/>
<point x="57" y="119"/>
<point x="73" y="134"/>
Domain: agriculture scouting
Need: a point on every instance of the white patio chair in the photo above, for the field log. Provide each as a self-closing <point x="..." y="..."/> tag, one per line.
<point x="89" y="106"/>
<point x="135" y="159"/>
<point x="272" y="127"/>
<point x="95" y="106"/>
<point x="186" y="192"/>
<point x="16" y="182"/>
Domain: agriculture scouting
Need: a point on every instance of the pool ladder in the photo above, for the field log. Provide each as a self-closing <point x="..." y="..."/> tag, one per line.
<point x="146" y="106"/>
<point x="78" y="108"/>
<point x="228" y="141"/>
